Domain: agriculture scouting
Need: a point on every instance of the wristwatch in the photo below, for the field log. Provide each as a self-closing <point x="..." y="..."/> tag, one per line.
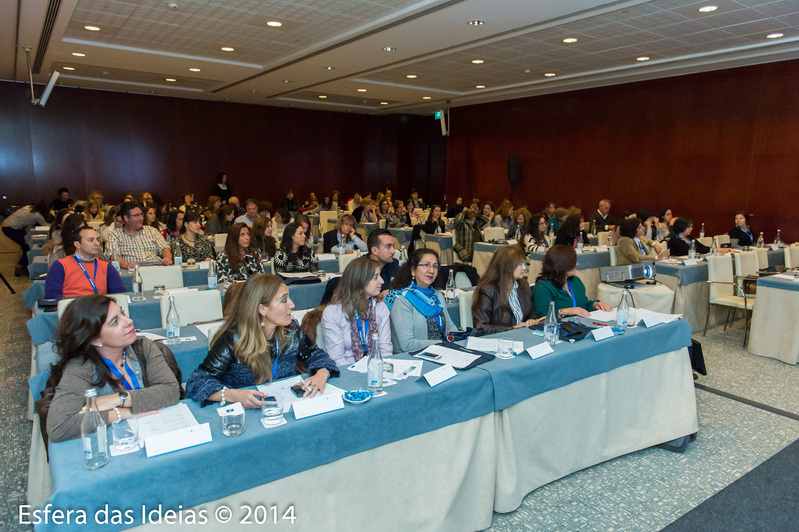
<point x="123" y="398"/>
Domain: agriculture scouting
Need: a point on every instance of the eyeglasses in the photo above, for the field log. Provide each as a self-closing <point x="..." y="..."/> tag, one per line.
<point x="428" y="265"/>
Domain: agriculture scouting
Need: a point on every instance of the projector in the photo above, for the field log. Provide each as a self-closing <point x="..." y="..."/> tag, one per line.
<point x="630" y="272"/>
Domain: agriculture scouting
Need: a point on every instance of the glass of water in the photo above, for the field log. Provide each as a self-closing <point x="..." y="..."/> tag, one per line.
<point x="271" y="411"/>
<point x="125" y="433"/>
<point x="505" y="347"/>
<point x="159" y="291"/>
<point x="233" y="424"/>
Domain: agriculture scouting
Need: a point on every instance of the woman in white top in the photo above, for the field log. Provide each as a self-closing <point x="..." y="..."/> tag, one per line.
<point x="354" y="314"/>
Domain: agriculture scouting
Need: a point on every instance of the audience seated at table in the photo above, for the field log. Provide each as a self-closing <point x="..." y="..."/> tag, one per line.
<point x="558" y="217"/>
<point x="70" y="226"/>
<point x="558" y="282"/>
<point x="572" y="231"/>
<point x="191" y="243"/>
<point x="502" y="298"/>
<point x="665" y="229"/>
<point x="602" y="218"/>
<point x="680" y="243"/>
<point x="741" y="235"/>
<point x="365" y="214"/>
<point x="174" y="224"/>
<point x="93" y="211"/>
<point x="335" y="202"/>
<point x="289" y="202"/>
<point x="54" y="234"/>
<point x="381" y="249"/>
<point x="212" y="207"/>
<point x="399" y="217"/>
<point x="294" y="254"/>
<point x="417" y="202"/>
<point x="221" y="222"/>
<point x="504" y="216"/>
<point x="487" y="215"/>
<point x="650" y="223"/>
<point x="240" y="260"/>
<point x="434" y="224"/>
<point x="82" y="272"/>
<point x="311" y="204"/>
<point x="355" y="314"/>
<point x="634" y="247"/>
<point x="113" y="220"/>
<point x="534" y="239"/>
<point x="518" y="228"/>
<point x="419" y="317"/>
<point x="466" y="231"/>
<point x="281" y="219"/>
<point x="250" y="214"/>
<point x="151" y="218"/>
<point x="134" y="243"/>
<point x="456" y="209"/>
<point x="384" y="209"/>
<point x="355" y="202"/>
<point x="549" y="210"/>
<point x="258" y="343"/>
<point x="343" y="239"/>
<point x="263" y="240"/>
<point x="98" y="348"/>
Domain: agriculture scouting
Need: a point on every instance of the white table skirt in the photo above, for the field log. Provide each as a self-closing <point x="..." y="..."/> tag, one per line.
<point x="774" y="332"/>
<point x="658" y="298"/>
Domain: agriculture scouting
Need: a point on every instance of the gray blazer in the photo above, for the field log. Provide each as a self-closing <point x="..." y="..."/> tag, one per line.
<point x="409" y="326"/>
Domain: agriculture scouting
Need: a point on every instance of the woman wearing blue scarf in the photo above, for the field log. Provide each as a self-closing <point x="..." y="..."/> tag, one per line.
<point x="418" y="315"/>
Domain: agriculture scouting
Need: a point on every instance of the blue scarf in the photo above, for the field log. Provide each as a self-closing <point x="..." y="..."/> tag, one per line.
<point x="425" y="300"/>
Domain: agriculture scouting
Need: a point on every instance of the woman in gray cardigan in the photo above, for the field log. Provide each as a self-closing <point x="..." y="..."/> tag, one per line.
<point x="419" y="317"/>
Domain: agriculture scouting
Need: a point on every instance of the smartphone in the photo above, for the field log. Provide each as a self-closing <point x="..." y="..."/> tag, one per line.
<point x="568" y="327"/>
<point x="298" y="390"/>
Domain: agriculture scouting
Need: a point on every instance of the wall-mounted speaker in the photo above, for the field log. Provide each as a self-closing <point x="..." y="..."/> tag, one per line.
<point x="513" y="169"/>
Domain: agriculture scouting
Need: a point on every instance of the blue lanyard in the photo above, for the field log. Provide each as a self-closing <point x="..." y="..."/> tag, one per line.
<point x="133" y="381"/>
<point x="440" y="324"/>
<point x="362" y="333"/>
<point x="571" y="293"/>
<point x="91" y="281"/>
<point x="684" y="240"/>
<point x="641" y="247"/>
<point x="751" y="236"/>
<point x="274" y="365"/>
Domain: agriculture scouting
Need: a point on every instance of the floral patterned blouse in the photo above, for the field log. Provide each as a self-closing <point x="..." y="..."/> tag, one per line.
<point x="248" y="267"/>
<point x="306" y="262"/>
<point x="201" y="250"/>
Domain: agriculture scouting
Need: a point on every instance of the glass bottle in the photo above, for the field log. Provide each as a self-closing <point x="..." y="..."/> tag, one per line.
<point x="374" y="367"/>
<point x="692" y="251"/>
<point x="593" y="228"/>
<point x="702" y="231"/>
<point x="449" y="294"/>
<point x="778" y="240"/>
<point x="178" y="258"/>
<point x="93" y="433"/>
<point x="760" y="242"/>
<point x="172" y="323"/>
<point x="551" y="325"/>
<point x="622" y="314"/>
<point x="211" y="275"/>
<point x="138" y="285"/>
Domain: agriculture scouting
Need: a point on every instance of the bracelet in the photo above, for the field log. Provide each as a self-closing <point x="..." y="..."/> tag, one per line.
<point x="223" y="402"/>
<point x="560" y="313"/>
<point x="119" y="416"/>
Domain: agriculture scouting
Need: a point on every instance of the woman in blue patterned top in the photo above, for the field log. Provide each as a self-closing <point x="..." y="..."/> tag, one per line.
<point x="240" y="260"/>
<point x="258" y="343"/>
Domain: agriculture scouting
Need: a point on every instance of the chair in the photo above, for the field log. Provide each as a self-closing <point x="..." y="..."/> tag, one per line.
<point x="722" y="239"/>
<point x="219" y="242"/>
<point x="602" y="238"/>
<point x="462" y="281"/>
<point x="465" y="309"/>
<point x="494" y="233"/>
<point x="346" y="258"/>
<point x="327" y="220"/>
<point x="761" y="254"/>
<point x="205" y="305"/>
<point x="705" y="240"/>
<point x="746" y="263"/>
<point x="381" y="224"/>
<point x="361" y="232"/>
<point x="792" y="257"/>
<point x="614" y="258"/>
<point x="431" y="244"/>
<point x="725" y="291"/>
<point x="169" y="276"/>
<point x="211" y="333"/>
<point x="121" y="300"/>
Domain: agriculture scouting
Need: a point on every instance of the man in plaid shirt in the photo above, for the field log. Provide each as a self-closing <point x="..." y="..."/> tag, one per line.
<point x="466" y="228"/>
<point x="134" y="243"/>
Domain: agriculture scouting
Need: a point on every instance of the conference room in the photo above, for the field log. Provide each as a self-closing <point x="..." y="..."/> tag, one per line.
<point x="652" y="105"/>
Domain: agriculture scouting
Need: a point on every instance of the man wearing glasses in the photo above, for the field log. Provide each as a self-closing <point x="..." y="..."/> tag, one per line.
<point x="134" y="243"/>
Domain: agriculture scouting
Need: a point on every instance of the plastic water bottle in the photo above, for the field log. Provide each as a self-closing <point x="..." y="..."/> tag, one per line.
<point x="93" y="433"/>
<point x="622" y="313"/>
<point x="551" y="230"/>
<point x="178" y="258"/>
<point x="580" y="245"/>
<point x="374" y="367"/>
<point x="777" y="240"/>
<point x="692" y="251"/>
<point x="449" y="294"/>
<point x="760" y="242"/>
<point x="551" y="325"/>
<point x="138" y="284"/>
<point x="172" y="323"/>
<point x="593" y="228"/>
<point x="211" y="275"/>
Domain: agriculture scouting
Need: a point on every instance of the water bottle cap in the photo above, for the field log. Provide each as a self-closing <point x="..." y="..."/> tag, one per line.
<point x="91" y="392"/>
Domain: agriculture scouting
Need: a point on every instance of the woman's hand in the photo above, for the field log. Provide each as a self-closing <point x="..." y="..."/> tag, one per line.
<point x="663" y="254"/>
<point x="316" y="384"/>
<point x="247" y="398"/>
<point x="601" y="305"/>
<point x="575" y="311"/>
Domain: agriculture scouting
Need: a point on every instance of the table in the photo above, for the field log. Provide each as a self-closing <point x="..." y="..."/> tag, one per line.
<point x="402" y="234"/>
<point x="773" y="331"/>
<point x="656" y="297"/>
<point x="588" y="264"/>
<point x="631" y="392"/>
<point x="444" y="241"/>
<point x="482" y="255"/>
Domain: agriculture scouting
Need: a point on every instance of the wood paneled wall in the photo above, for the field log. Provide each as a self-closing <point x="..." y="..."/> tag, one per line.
<point x="117" y="142"/>
<point x="705" y="145"/>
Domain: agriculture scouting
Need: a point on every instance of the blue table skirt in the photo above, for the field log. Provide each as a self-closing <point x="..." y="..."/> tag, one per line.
<point x="444" y="241"/>
<point x="776" y="282"/>
<point x="585" y="261"/>
<point x="35" y="251"/>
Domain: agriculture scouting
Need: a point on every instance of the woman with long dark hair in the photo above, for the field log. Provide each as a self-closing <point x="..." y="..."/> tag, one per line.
<point x="295" y="255"/>
<point x="434" y="223"/>
<point x="558" y="282"/>
<point x="259" y="342"/>
<point x="174" y="224"/>
<point x="98" y="348"/>
<point x="263" y="240"/>
<point x="240" y="259"/>
<point x="534" y="239"/>
<point x="572" y="232"/>
<point x="191" y="243"/>
<point x="502" y="298"/>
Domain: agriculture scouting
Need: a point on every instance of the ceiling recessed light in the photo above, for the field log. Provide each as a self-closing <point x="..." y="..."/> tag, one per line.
<point x="389" y="49"/>
<point x="322" y="96"/>
<point x="427" y="97"/>
<point x="775" y="35"/>
<point x="286" y="81"/>
<point x="550" y="74"/>
<point x="476" y="22"/>
<point x="68" y="68"/>
<point x="194" y="70"/>
<point x="411" y="76"/>
<point x="330" y="68"/>
<point x="78" y="54"/>
<point x="708" y="9"/>
<point x="171" y="79"/>
<point x="477" y="61"/>
<point x="527" y="71"/>
<point x="569" y="40"/>
<point x="361" y="90"/>
<point x="227" y="49"/>
<point x="383" y="103"/>
<point x="91" y="28"/>
<point x="253" y="92"/>
<point x="479" y="86"/>
<point x="642" y="58"/>
<point x="274" y="24"/>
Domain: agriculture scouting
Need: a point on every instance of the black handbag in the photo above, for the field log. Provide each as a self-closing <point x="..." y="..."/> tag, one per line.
<point x="697" y="358"/>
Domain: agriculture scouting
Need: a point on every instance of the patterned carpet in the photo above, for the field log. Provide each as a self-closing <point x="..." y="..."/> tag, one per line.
<point x="642" y="491"/>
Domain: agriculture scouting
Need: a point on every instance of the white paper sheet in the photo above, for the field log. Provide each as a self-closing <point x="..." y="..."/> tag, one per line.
<point x="413" y="368"/>
<point x="439" y="375"/>
<point x="205" y="327"/>
<point x="152" y="336"/>
<point x="486" y="345"/>
<point x="166" y="420"/>
<point x="453" y="357"/>
<point x="282" y="389"/>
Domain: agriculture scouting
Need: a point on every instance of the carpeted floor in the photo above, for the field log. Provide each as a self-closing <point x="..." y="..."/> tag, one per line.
<point x="643" y="491"/>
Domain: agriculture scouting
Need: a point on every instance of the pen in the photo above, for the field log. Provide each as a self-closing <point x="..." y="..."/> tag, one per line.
<point x="406" y="372"/>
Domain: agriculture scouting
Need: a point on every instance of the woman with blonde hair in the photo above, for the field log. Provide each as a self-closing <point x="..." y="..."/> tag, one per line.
<point x="502" y="298"/>
<point x="259" y="342"/>
<point x="518" y="228"/>
<point x="504" y="216"/>
<point x="354" y="314"/>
